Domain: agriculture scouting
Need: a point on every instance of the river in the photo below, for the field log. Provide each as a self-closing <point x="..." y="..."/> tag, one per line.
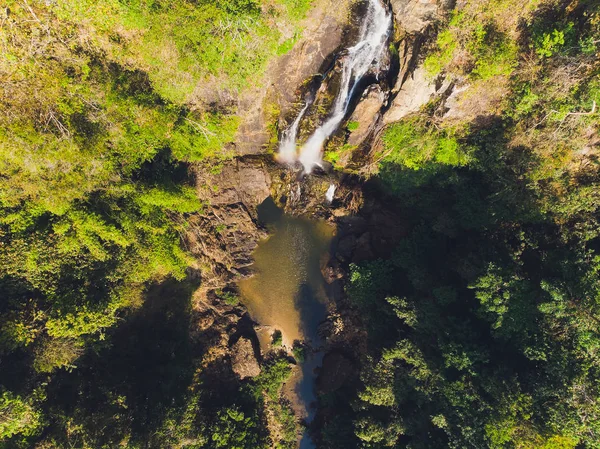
<point x="288" y="293"/>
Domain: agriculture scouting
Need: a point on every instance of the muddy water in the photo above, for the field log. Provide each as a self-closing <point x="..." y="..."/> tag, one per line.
<point x="288" y="291"/>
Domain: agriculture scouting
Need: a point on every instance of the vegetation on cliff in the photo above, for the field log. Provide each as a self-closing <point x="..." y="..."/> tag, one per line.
<point x="483" y="326"/>
<point x="103" y="106"/>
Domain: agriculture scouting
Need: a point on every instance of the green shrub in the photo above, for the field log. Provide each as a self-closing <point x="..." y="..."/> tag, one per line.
<point x="412" y="144"/>
<point x="18" y="416"/>
<point x="269" y="381"/>
<point x="230" y="298"/>
<point x="235" y="430"/>
<point x="436" y="62"/>
<point x="277" y="338"/>
<point x="547" y="43"/>
<point x="57" y="353"/>
<point x="299" y="351"/>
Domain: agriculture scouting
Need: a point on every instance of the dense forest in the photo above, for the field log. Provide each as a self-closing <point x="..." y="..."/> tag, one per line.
<point x="99" y="122"/>
<point x="483" y="327"/>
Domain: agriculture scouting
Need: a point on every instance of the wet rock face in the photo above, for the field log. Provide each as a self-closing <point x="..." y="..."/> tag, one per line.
<point x="414" y="87"/>
<point x="225" y="235"/>
<point x="243" y="360"/>
<point x="244" y="181"/>
<point x="321" y="37"/>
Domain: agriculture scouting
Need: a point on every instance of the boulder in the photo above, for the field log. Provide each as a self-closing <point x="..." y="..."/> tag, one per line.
<point x="243" y="180"/>
<point x="243" y="360"/>
<point x="336" y="371"/>
<point x="364" y="249"/>
<point x="224" y="236"/>
<point x="254" y="182"/>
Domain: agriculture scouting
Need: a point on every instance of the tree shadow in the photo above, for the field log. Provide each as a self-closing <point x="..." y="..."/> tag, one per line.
<point x="127" y="384"/>
<point x="312" y="313"/>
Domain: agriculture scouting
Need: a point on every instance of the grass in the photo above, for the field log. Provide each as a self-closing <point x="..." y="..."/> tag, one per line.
<point x="185" y="44"/>
<point x="473" y="45"/>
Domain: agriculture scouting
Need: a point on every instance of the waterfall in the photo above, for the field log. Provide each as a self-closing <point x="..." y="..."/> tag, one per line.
<point x="330" y="193"/>
<point x="360" y="58"/>
<point x="287" y="148"/>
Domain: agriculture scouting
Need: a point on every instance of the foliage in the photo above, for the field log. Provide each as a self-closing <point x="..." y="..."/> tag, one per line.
<point x="104" y="106"/>
<point x="230" y="298"/>
<point x="277" y="338"/>
<point x="352" y="126"/>
<point x="56" y="353"/>
<point x="482" y="324"/>
<point x="266" y="389"/>
<point x="474" y="44"/>
<point x="272" y="377"/>
<point x="548" y="43"/>
<point x="413" y="145"/>
<point x="235" y="431"/>
<point x="18" y="416"/>
<point x="299" y="351"/>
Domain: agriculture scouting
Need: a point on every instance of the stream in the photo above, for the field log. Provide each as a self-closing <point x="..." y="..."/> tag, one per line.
<point x="288" y="294"/>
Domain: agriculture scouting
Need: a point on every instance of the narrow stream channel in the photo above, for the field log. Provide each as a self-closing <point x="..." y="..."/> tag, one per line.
<point x="288" y="293"/>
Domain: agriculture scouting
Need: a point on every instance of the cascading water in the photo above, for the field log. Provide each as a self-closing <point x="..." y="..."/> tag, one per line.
<point x="330" y="193"/>
<point x="360" y="58"/>
<point x="287" y="148"/>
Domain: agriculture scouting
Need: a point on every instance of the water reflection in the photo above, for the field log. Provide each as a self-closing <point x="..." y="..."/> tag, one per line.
<point x="288" y="290"/>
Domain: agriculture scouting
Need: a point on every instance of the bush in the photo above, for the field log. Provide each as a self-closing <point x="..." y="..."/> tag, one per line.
<point x="273" y="375"/>
<point x="57" y="353"/>
<point x="299" y="351"/>
<point x="277" y="338"/>
<point x="547" y="43"/>
<point x="234" y="430"/>
<point x="230" y="298"/>
<point x="18" y="416"/>
<point x="414" y="145"/>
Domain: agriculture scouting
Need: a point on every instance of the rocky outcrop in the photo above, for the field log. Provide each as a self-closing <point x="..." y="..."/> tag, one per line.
<point x="243" y="360"/>
<point x="366" y="114"/>
<point x="413" y="16"/>
<point x="414" y="87"/>
<point x="337" y="370"/>
<point x="322" y="33"/>
<point x="415" y="92"/>
<point x="477" y="102"/>
<point x="224" y="236"/>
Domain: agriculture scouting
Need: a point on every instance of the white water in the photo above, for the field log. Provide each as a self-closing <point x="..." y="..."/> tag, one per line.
<point x="330" y="193"/>
<point x="287" y="148"/>
<point x="360" y="58"/>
